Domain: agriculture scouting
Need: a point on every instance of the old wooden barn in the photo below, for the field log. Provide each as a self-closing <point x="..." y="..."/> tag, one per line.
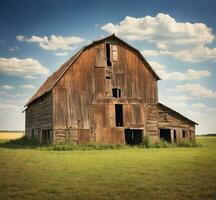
<point x="106" y="93"/>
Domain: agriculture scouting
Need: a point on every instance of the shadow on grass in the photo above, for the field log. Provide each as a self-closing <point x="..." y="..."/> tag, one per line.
<point x="21" y="143"/>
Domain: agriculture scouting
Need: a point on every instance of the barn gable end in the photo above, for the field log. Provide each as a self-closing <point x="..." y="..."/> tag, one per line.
<point x="106" y="93"/>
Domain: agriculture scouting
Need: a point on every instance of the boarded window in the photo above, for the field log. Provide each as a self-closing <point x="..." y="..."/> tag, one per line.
<point x="108" y="56"/>
<point x="99" y="57"/>
<point x="114" y="52"/>
<point x="119" y="115"/>
<point x="116" y="93"/>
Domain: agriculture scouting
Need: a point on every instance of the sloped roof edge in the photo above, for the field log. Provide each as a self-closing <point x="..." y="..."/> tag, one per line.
<point x="56" y="76"/>
<point x="177" y="113"/>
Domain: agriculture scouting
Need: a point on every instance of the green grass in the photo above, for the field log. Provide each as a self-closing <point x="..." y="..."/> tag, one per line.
<point x="131" y="173"/>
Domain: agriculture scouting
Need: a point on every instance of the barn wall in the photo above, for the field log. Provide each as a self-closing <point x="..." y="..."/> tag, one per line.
<point x="138" y="88"/>
<point x="39" y="116"/>
<point x="81" y="107"/>
<point x="168" y="120"/>
<point x="72" y="97"/>
<point x="84" y="110"/>
<point x="128" y="73"/>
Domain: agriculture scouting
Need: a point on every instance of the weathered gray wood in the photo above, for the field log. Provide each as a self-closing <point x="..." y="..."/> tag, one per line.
<point x="80" y="107"/>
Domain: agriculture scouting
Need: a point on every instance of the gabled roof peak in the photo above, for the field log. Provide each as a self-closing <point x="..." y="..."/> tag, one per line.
<point x="54" y="78"/>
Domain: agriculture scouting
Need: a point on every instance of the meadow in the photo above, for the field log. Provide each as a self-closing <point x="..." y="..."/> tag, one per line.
<point x="131" y="173"/>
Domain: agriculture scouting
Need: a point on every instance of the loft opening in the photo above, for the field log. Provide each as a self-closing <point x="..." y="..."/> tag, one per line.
<point x="165" y="134"/>
<point x="133" y="136"/>
<point x="116" y="93"/>
<point x="119" y="115"/>
<point x="108" y="56"/>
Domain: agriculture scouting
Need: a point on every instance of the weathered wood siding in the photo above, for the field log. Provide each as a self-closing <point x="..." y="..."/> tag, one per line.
<point x="83" y="103"/>
<point x="72" y="97"/>
<point x="168" y="120"/>
<point x="81" y="107"/>
<point x="39" y="116"/>
<point x="152" y="121"/>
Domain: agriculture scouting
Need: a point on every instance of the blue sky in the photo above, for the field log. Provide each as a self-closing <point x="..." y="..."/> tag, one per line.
<point x="176" y="37"/>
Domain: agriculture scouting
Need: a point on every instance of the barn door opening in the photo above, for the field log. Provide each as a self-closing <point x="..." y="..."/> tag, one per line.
<point x="133" y="136"/>
<point x="119" y="115"/>
<point x="46" y="136"/>
<point x="174" y="136"/>
<point x="165" y="134"/>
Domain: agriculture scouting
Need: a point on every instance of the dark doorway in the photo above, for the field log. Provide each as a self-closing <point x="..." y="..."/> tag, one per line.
<point x="119" y="115"/>
<point x="108" y="57"/>
<point x="116" y="92"/>
<point x="165" y="135"/>
<point x="174" y="135"/>
<point x="46" y="136"/>
<point x="133" y="136"/>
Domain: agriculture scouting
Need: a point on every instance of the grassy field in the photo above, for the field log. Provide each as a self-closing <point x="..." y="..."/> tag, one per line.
<point x="7" y="135"/>
<point x="172" y="173"/>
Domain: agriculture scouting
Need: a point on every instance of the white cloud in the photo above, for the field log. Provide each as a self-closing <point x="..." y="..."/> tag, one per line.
<point x="197" y="54"/>
<point x="53" y="42"/>
<point x="190" y="74"/>
<point x="16" y="48"/>
<point x="20" y="37"/>
<point x="7" y="87"/>
<point x="180" y="98"/>
<point x="27" y="68"/>
<point x="196" y="90"/>
<point x="183" y="40"/>
<point x="61" y="53"/>
<point x="148" y="52"/>
<point x="176" y="101"/>
<point x="12" y="95"/>
<point x="199" y="105"/>
<point x="28" y="86"/>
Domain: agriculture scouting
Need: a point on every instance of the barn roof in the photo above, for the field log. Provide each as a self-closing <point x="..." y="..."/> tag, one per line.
<point x="160" y="105"/>
<point x="54" y="78"/>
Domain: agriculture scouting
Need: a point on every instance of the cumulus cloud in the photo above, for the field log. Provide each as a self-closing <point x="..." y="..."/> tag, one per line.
<point x="199" y="105"/>
<point x="190" y="74"/>
<point x="61" y="53"/>
<point x="197" y="54"/>
<point x="196" y="90"/>
<point x="28" y="86"/>
<point x="7" y="87"/>
<point x="176" y="101"/>
<point x="11" y="95"/>
<point x="53" y="42"/>
<point x="182" y="40"/>
<point x="28" y="68"/>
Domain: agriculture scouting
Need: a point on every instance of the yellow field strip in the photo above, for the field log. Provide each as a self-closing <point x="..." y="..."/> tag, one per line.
<point x="10" y="135"/>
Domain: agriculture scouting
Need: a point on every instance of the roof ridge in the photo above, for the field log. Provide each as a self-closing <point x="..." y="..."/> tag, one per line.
<point x="47" y="86"/>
